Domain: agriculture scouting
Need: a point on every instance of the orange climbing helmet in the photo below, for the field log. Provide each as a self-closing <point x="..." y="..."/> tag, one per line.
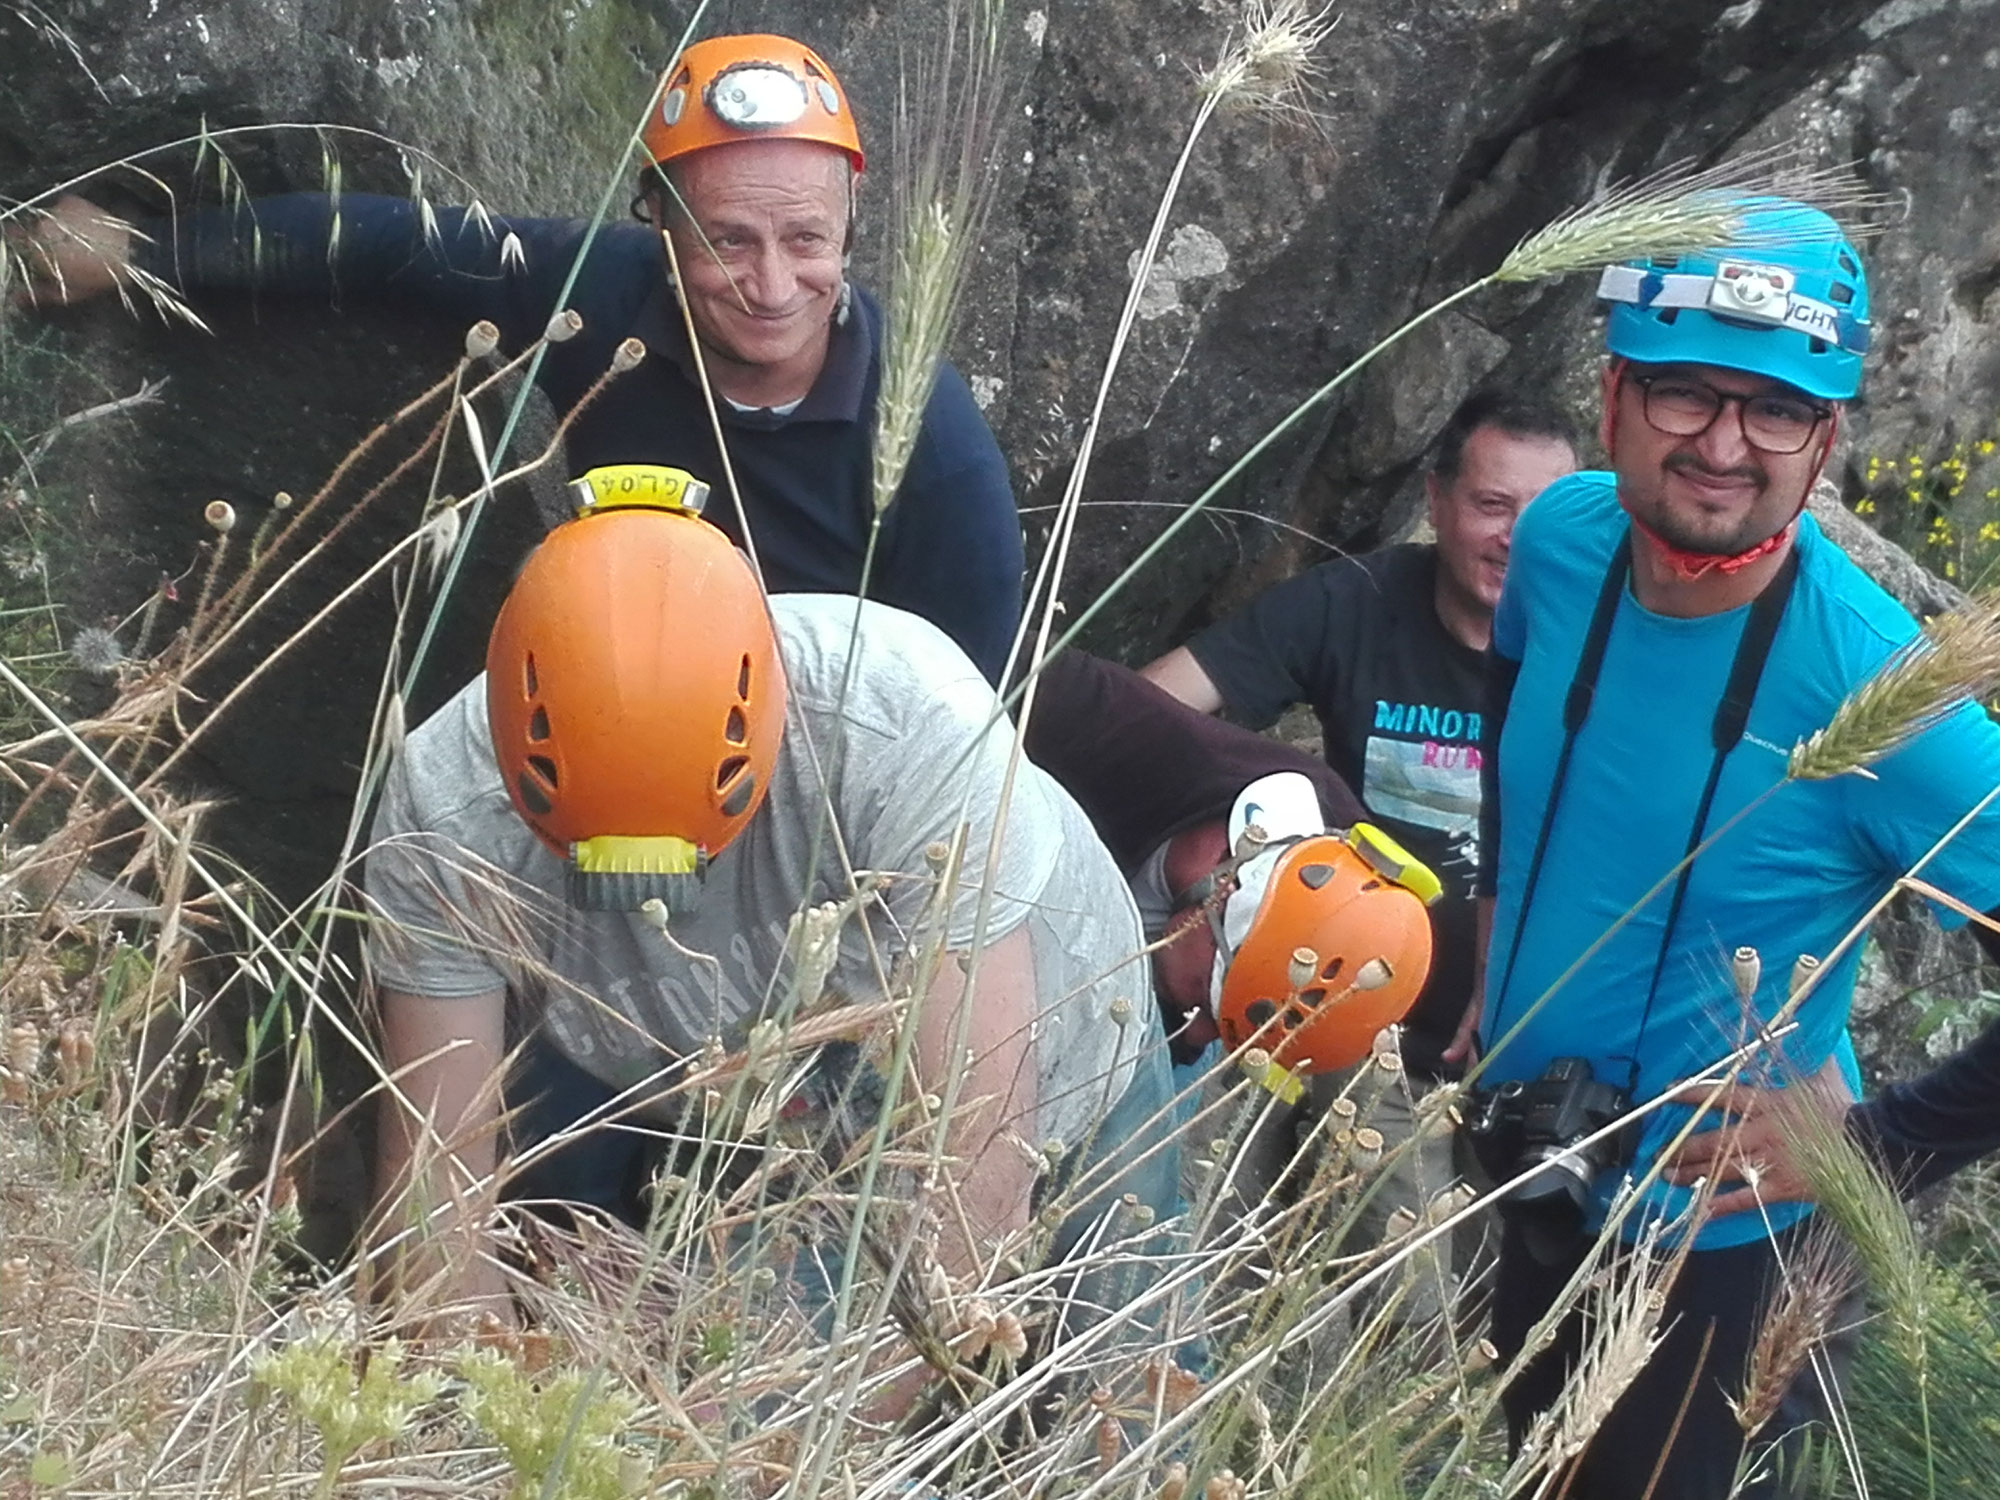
<point x="742" y="88"/>
<point x="634" y="690"/>
<point x="1325" y="940"/>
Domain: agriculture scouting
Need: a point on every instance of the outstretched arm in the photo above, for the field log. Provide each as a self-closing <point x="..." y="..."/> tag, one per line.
<point x="1928" y="1128"/>
<point x="72" y="253"/>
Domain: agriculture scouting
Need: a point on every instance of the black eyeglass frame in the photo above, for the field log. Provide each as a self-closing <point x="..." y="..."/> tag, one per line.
<point x="1723" y="400"/>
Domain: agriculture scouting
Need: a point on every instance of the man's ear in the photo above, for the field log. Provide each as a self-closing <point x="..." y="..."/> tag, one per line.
<point x="853" y="213"/>
<point x="1610" y="378"/>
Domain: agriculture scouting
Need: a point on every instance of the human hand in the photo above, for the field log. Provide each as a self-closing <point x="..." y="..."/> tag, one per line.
<point x="1464" y="1046"/>
<point x="71" y="252"/>
<point x="1754" y="1145"/>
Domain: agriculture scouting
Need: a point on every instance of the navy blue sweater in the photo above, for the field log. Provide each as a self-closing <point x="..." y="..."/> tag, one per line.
<point x="950" y="548"/>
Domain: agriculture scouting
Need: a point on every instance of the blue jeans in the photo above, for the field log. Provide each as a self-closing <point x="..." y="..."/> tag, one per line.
<point x="607" y="1166"/>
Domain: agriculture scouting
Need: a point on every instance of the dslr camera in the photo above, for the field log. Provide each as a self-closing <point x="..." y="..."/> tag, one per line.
<point x="1528" y="1123"/>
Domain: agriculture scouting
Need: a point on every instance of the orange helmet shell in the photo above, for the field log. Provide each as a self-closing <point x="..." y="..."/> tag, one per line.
<point x="1325" y="897"/>
<point x="747" y="88"/>
<point x="633" y="684"/>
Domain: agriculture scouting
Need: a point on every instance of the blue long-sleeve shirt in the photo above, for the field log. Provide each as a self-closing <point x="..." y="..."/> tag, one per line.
<point x="950" y="547"/>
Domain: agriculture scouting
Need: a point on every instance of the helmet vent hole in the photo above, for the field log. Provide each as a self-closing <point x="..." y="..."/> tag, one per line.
<point x="1261" y="1012"/>
<point x="1371" y="885"/>
<point x="1315" y="876"/>
<point x="532" y="796"/>
<point x="743" y="679"/>
<point x="530" y="679"/>
<point x="1848" y="264"/>
<point x="737" y="730"/>
<point x="734" y="804"/>
<point x="1668" y="315"/>
<point x="1295" y="1018"/>
<point x="1665" y="262"/>
<point x="1842" y="293"/>
<point x="538" y="724"/>
<point x="727" y="771"/>
<point x="1332" y="971"/>
<point x="545" y="768"/>
<point x="1819" y="346"/>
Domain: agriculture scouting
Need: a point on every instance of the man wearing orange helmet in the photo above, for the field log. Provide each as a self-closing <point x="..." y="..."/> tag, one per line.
<point x="686" y="831"/>
<point x="1173" y="793"/>
<point x="754" y="157"/>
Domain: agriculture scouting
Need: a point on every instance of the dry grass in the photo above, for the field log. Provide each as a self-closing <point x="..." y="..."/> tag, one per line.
<point x="163" y="1335"/>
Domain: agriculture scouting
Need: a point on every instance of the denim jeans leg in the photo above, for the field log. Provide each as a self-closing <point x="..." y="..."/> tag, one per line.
<point x="549" y="1094"/>
<point x="1135" y="1151"/>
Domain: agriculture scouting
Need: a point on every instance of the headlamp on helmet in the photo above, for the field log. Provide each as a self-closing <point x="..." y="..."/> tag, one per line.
<point x="1788" y="301"/>
<point x="738" y="88"/>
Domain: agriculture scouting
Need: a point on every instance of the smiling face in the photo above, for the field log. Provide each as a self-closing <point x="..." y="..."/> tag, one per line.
<point x="1713" y="493"/>
<point x="1474" y="511"/>
<point x="762" y="262"/>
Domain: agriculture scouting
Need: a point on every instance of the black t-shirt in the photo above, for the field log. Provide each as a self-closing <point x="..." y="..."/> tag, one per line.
<point x="1399" y="700"/>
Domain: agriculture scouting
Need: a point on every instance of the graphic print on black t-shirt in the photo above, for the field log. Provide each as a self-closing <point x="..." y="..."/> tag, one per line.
<point x="1420" y="767"/>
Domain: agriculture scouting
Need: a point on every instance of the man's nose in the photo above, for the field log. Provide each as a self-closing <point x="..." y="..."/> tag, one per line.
<point x="772" y="276"/>
<point x="1724" y="445"/>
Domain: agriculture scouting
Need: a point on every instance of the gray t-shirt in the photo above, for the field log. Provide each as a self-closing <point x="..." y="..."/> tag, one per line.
<point x="468" y="900"/>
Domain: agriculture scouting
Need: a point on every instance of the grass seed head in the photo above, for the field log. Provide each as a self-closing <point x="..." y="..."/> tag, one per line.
<point x="1956" y="657"/>
<point x="1681" y="211"/>
<point x="1273" y="65"/>
<point x="481" y="339"/>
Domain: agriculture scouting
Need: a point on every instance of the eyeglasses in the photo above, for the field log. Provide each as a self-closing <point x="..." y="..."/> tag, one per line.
<point x="1681" y="406"/>
<point x="1211" y="892"/>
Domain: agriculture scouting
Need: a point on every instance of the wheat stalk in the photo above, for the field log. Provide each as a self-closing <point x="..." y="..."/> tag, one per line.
<point x="1956" y="657"/>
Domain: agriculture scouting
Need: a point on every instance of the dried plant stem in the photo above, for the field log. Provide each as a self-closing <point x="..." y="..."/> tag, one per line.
<point x="714" y="415"/>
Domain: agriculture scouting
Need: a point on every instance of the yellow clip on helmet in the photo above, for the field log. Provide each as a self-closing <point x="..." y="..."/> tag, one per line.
<point x="636" y="697"/>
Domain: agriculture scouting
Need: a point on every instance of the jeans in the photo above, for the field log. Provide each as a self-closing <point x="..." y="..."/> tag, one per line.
<point x="1675" y="1416"/>
<point x="1134" y="1150"/>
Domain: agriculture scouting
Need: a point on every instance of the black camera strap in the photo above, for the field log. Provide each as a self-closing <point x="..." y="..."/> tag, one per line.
<point x="1732" y="716"/>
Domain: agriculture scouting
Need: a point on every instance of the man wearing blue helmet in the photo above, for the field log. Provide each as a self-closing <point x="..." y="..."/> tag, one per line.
<point x="1667" y="632"/>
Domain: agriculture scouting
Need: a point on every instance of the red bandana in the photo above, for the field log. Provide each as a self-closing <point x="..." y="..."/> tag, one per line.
<point x="1692" y="565"/>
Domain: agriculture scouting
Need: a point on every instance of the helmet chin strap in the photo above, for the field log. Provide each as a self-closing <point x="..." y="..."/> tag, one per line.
<point x="1688" y="565"/>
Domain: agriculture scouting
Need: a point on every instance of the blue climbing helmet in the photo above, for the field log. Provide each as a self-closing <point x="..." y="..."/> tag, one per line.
<point x="1788" y="300"/>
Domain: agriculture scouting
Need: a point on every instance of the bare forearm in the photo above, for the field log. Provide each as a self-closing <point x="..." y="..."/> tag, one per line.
<point x="438" y="1142"/>
<point x="1184" y="677"/>
<point x="980" y="1034"/>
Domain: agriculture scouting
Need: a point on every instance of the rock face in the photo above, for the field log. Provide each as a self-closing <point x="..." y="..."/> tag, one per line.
<point x="1440" y="134"/>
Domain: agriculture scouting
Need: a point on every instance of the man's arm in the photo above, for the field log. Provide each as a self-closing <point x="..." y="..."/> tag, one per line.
<point x="1182" y="676"/>
<point x="983" y="1035"/>
<point x="1501" y="674"/>
<point x="1918" y="1132"/>
<point x="1284" y="647"/>
<point x="436" y="1154"/>
<point x="1928" y="1128"/>
<point x="73" y="253"/>
<point x="452" y="260"/>
<point x="953" y="549"/>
